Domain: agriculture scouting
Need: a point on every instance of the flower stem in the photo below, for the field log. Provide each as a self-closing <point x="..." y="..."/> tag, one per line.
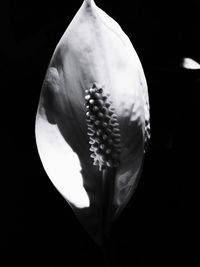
<point x="108" y="195"/>
<point x="107" y="200"/>
<point x="106" y="259"/>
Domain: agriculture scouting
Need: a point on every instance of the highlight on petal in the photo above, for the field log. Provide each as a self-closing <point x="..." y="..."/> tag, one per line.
<point x="189" y="63"/>
<point x="60" y="162"/>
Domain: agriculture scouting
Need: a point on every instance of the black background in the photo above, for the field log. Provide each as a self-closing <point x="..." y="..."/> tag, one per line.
<point x="158" y="226"/>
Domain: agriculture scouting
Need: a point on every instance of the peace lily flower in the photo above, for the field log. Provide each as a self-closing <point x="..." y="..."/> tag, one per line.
<point x="92" y="123"/>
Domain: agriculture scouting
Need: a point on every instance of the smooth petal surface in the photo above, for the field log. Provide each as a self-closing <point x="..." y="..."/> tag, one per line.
<point x="189" y="63"/>
<point x="93" y="49"/>
<point x="55" y="152"/>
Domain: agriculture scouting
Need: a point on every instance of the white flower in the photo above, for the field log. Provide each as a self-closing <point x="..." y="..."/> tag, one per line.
<point x="94" y="100"/>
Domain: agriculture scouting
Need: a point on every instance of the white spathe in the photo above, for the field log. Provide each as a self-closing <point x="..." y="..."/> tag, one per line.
<point x="61" y="163"/>
<point x="93" y="49"/>
<point x="189" y="63"/>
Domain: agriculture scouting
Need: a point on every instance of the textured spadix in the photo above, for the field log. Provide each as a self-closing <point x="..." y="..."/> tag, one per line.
<point x="93" y="116"/>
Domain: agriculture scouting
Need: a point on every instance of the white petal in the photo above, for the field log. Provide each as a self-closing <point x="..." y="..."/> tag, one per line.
<point x="61" y="164"/>
<point x="189" y="63"/>
<point x="93" y="49"/>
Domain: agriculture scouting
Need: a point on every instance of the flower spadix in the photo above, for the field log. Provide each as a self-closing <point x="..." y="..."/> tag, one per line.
<point x="92" y="123"/>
